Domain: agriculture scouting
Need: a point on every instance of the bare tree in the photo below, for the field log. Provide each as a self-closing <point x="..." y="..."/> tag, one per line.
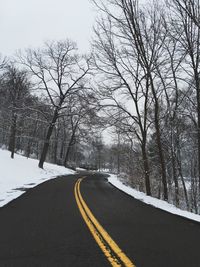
<point x="17" y="85"/>
<point x="82" y="111"/>
<point x="185" y="15"/>
<point x="190" y="8"/>
<point x="122" y="78"/>
<point x="135" y="41"/>
<point x="59" y="73"/>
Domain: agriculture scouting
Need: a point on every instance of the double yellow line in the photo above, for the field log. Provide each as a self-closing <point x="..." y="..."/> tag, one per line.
<point x="113" y="253"/>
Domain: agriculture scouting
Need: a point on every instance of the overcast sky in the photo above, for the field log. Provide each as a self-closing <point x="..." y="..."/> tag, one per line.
<point x="27" y="23"/>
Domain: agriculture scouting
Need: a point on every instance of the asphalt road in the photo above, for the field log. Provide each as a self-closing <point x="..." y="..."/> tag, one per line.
<point x="79" y="223"/>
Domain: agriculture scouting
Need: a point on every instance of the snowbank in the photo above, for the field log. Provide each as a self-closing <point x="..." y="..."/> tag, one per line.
<point x="150" y="200"/>
<point x="80" y="169"/>
<point x="20" y="173"/>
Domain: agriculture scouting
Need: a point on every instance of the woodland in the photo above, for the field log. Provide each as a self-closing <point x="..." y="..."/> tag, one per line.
<point x="141" y="81"/>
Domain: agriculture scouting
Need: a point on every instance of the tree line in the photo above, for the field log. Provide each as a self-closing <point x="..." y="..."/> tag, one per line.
<point x="47" y="104"/>
<point x="147" y="62"/>
<point x="141" y="80"/>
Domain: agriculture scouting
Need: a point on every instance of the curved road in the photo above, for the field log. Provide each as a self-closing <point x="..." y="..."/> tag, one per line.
<point x="75" y="222"/>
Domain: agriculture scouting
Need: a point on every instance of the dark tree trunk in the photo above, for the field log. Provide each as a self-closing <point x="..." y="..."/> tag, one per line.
<point x="71" y="143"/>
<point x="30" y="141"/>
<point x="99" y="159"/>
<point x="175" y="178"/>
<point x="67" y="155"/>
<point x="62" y="150"/>
<point x="194" y="185"/>
<point x="28" y="149"/>
<point x="146" y="170"/>
<point x="159" y="143"/>
<point x="12" y="139"/>
<point x="118" y="154"/>
<point x="198" y="124"/>
<point x="61" y="153"/>
<point x="55" y="149"/>
<point x="47" y="139"/>
<point x="174" y="169"/>
<point x="181" y="174"/>
<point x="161" y="156"/>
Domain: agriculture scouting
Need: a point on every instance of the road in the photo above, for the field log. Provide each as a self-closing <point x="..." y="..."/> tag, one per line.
<point x="83" y="221"/>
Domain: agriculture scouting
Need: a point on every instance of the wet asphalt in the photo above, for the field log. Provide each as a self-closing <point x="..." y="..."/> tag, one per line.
<point x="44" y="228"/>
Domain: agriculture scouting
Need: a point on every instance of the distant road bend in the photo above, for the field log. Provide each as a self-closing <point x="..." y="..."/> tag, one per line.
<point x="81" y="220"/>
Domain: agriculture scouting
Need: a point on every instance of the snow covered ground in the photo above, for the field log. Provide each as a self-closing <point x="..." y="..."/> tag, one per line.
<point x="20" y="173"/>
<point x="114" y="180"/>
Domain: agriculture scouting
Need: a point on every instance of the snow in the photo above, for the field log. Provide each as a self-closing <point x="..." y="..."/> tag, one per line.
<point x="20" y="173"/>
<point x="161" y="204"/>
<point x="80" y="169"/>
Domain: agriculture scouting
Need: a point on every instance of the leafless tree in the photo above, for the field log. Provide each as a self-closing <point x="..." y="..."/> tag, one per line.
<point x="59" y="72"/>
<point x="185" y="15"/>
<point x="82" y="111"/>
<point x="16" y="83"/>
<point x="133" y="46"/>
<point x="190" y="8"/>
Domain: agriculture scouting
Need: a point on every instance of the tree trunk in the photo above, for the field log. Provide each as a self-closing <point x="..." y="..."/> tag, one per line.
<point x="55" y="149"/>
<point x="61" y="154"/>
<point x="175" y="178"/>
<point x="118" y="153"/>
<point x="181" y="174"/>
<point x="67" y="155"/>
<point x="184" y="187"/>
<point x="71" y="143"/>
<point x="159" y="143"/>
<point x="12" y="138"/>
<point x="47" y="139"/>
<point x="198" y="125"/>
<point x="194" y="185"/>
<point x="30" y="141"/>
<point x="68" y="149"/>
<point x="146" y="170"/>
<point x="161" y="157"/>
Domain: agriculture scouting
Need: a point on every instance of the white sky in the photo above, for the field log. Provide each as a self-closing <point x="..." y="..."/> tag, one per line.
<point x="28" y="23"/>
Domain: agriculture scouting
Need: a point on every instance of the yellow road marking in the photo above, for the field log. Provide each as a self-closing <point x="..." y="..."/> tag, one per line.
<point x="95" y="234"/>
<point x="100" y="234"/>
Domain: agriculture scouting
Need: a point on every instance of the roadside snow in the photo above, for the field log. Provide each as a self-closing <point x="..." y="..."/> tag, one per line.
<point x="80" y="169"/>
<point x="20" y="173"/>
<point x="161" y="204"/>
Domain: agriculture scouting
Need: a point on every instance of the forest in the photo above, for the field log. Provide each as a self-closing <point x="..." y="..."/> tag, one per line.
<point x="141" y="81"/>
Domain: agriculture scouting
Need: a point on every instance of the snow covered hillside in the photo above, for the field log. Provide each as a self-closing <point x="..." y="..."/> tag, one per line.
<point x="21" y="173"/>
